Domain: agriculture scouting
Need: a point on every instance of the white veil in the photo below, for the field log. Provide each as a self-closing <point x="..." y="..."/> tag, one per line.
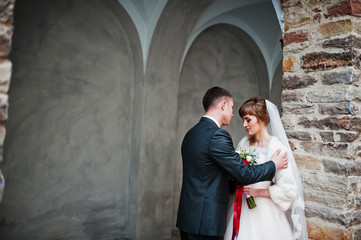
<point x="296" y="212"/>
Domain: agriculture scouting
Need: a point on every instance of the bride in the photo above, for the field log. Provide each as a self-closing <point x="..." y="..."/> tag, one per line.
<point x="279" y="211"/>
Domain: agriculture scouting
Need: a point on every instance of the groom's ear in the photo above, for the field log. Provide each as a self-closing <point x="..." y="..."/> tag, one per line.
<point x="223" y="104"/>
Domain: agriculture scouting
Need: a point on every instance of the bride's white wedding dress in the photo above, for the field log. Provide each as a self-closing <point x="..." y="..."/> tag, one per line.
<point x="267" y="221"/>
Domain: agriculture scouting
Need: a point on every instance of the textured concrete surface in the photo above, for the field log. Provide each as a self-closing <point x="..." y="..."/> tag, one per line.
<point x="67" y="153"/>
<point x="159" y="123"/>
<point x="92" y="146"/>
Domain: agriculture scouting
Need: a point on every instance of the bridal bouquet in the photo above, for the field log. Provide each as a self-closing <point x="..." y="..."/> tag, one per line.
<point x="248" y="154"/>
<point x="250" y="157"/>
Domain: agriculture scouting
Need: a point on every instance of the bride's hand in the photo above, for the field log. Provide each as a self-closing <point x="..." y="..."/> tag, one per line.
<point x="250" y="191"/>
<point x="254" y="192"/>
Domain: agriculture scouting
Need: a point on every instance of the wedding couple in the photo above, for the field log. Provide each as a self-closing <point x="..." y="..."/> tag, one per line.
<point x="210" y="162"/>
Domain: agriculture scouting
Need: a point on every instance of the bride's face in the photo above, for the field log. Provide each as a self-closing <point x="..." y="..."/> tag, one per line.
<point x="252" y="125"/>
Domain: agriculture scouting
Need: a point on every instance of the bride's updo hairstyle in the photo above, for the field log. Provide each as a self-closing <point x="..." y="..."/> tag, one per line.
<point x="257" y="107"/>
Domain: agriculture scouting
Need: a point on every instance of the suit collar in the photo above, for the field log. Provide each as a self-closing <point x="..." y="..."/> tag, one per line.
<point x="209" y="120"/>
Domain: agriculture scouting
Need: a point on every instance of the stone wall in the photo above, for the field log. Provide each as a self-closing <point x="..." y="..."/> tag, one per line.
<point x="6" y="32"/>
<point x="321" y="111"/>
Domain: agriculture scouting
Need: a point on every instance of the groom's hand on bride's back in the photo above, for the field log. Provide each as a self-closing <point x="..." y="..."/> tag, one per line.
<point x="280" y="160"/>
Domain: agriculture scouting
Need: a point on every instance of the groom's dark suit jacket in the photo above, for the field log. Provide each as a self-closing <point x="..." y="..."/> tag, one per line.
<point x="209" y="159"/>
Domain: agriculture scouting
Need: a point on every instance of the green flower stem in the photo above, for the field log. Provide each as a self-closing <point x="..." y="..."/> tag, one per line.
<point x="251" y="203"/>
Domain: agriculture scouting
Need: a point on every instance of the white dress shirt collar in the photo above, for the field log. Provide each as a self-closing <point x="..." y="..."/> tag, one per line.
<point x="214" y="120"/>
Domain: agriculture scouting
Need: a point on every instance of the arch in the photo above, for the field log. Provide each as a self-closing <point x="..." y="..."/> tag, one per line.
<point x="71" y="150"/>
<point x="246" y="15"/>
<point x="145" y="15"/>
<point x="227" y="56"/>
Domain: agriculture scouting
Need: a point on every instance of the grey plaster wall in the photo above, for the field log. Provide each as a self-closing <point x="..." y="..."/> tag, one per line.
<point x="71" y="122"/>
<point x="159" y="119"/>
<point x="222" y="55"/>
<point x="276" y="88"/>
<point x="93" y="137"/>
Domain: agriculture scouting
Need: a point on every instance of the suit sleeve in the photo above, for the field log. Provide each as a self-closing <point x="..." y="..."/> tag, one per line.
<point x="224" y="155"/>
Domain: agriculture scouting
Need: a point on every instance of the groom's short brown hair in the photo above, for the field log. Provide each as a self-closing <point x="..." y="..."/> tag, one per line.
<point x="212" y="95"/>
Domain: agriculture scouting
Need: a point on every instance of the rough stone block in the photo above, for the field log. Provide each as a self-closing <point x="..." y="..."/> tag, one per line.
<point x="290" y="3"/>
<point x="296" y="21"/>
<point x="336" y="108"/>
<point x="345" y="218"/>
<point x="292" y="97"/>
<point x="347" y="76"/>
<point x="327" y="136"/>
<point x="351" y="41"/>
<point x="3" y="108"/>
<point x="286" y="26"/>
<point x="307" y="122"/>
<point x="347" y="123"/>
<point x="343" y="8"/>
<point x="323" y="60"/>
<point x="335" y="28"/>
<point x="357" y="26"/>
<point x="345" y="168"/>
<point x="296" y="81"/>
<point x="287" y="123"/>
<point x="329" y="96"/>
<point x="358" y="151"/>
<point x="296" y="16"/>
<point x="356" y="7"/>
<point x="318" y="229"/>
<point x="340" y="150"/>
<point x="299" y="135"/>
<point x="356" y="93"/>
<point x="314" y="3"/>
<point x="6" y="10"/>
<point x="295" y="37"/>
<point x="356" y="57"/>
<point x="311" y="163"/>
<point x="6" y="33"/>
<point x="288" y="63"/>
<point x="5" y="75"/>
<point x="346" y="136"/>
<point x="334" y="192"/>
<point x="357" y="234"/>
<point x="340" y="9"/>
<point x="298" y="108"/>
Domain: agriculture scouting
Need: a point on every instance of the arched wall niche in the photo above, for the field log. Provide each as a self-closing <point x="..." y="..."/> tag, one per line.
<point x="72" y="145"/>
<point x="222" y="55"/>
<point x="260" y="19"/>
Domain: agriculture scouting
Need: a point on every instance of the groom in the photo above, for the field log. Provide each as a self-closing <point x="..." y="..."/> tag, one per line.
<point x="209" y="159"/>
